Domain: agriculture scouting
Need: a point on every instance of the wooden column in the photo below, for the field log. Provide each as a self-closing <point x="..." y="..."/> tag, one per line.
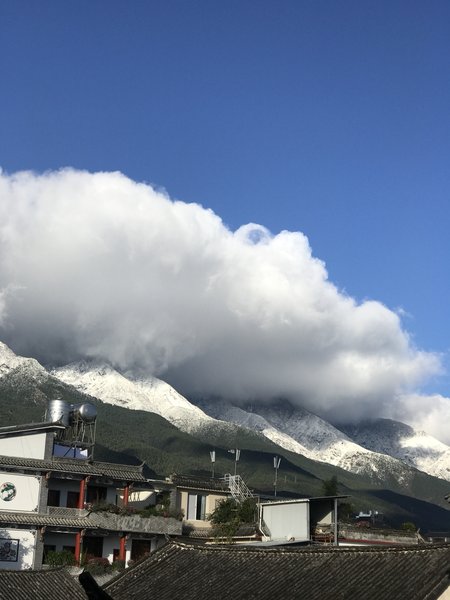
<point x="123" y="547"/>
<point x="78" y="547"/>
<point x="123" y="537"/>
<point x="126" y="494"/>
<point x="82" y="493"/>
<point x="79" y="536"/>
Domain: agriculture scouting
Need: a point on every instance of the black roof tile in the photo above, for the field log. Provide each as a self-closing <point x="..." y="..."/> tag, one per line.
<point x="132" y="473"/>
<point x="223" y="572"/>
<point x="53" y="584"/>
<point x="95" y="520"/>
<point x="199" y="483"/>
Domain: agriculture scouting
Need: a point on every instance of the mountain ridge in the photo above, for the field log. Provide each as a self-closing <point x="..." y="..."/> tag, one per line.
<point x="292" y="428"/>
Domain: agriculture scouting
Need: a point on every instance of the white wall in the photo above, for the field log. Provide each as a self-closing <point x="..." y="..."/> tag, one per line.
<point x="24" y="492"/>
<point x="139" y="498"/>
<point x="211" y="503"/>
<point x="25" y="550"/>
<point x="287" y="521"/>
<point x="24" y="446"/>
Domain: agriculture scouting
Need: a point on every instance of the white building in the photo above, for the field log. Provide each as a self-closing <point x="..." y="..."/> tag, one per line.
<point x="48" y="501"/>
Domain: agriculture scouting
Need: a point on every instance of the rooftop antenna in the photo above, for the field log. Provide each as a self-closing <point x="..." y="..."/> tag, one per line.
<point x="237" y="454"/>
<point x="276" y="466"/>
<point x="212" y="454"/>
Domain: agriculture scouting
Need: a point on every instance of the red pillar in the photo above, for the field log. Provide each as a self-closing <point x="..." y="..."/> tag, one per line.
<point x="78" y="547"/>
<point x="82" y="493"/>
<point x="123" y="547"/>
<point x="78" y="536"/>
<point x="126" y="494"/>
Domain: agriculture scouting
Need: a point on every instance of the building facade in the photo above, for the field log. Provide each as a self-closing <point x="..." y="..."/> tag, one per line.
<point x="50" y="502"/>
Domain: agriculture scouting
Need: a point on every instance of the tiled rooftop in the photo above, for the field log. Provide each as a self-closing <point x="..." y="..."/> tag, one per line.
<point x="198" y="483"/>
<point x="54" y="584"/>
<point x="95" y="520"/>
<point x="115" y="471"/>
<point x="244" y="573"/>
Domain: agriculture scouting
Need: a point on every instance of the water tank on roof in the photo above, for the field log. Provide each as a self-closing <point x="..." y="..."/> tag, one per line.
<point x="87" y="412"/>
<point x="58" y="412"/>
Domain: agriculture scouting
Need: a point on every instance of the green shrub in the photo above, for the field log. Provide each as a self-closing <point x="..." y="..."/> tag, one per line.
<point x="97" y="565"/>
<point x="62" y="558"/>
<point x="229" y="515"/>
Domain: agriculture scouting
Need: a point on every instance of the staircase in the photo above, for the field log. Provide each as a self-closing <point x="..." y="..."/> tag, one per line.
<point x="238" y="488"/>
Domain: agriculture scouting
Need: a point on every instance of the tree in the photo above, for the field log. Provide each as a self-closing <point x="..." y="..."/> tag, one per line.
<point x="229" y="515"/>
<point x="330" y="486"/>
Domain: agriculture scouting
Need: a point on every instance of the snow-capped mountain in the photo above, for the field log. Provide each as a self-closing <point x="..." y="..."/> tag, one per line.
<point x="415" y="448"/>
<point x="10" y="363"/>
<point x="373" y="448"/>
<point x="293" y="429"/>
<point x="151" y="394"/>
<point x="300" y="431"/>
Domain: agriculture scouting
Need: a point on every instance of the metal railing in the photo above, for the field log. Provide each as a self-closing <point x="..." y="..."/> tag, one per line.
<point x="238" y="487"/>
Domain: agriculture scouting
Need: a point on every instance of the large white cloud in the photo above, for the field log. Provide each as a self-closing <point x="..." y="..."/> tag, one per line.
<point x="430" y="413"/>
<point x="97" y="265"/>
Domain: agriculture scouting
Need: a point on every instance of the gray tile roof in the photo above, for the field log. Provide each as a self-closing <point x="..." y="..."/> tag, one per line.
<point x="95" y="520"/>
<point x="199" y="483"/>
<point x="54" y="584"/>
<point x="132" y="473"/>
<point x="245" y="573"/>
<point x="40" y="520"/>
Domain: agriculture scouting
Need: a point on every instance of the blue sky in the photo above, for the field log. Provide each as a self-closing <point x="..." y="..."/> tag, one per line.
<point x="330" y="118"/>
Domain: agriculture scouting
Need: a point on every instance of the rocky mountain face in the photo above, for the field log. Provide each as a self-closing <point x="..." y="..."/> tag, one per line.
<point x="414" y="448"/>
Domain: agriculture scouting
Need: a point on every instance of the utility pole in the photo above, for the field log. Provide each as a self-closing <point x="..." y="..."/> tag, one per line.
<point x="237" y="454"/>
<point x="236" y="460"/>
<point x="212" y="454"/>
<point x="276" y="466"/>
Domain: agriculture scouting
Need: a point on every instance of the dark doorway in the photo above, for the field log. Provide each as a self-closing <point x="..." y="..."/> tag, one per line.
<point x="140" y="548"/>
<point x="93" y="546"/>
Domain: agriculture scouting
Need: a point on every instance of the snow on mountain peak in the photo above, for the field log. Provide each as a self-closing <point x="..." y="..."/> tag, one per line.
<point x="415" y="448"/>
<point x="150" y="394"/>
<point x="10" y="362"/>
<point x="367" y="447"/>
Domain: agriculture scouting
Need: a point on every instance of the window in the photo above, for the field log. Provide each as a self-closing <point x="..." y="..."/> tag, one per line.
<point x="53" y="497"/>
<point x="196" y="507"/>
